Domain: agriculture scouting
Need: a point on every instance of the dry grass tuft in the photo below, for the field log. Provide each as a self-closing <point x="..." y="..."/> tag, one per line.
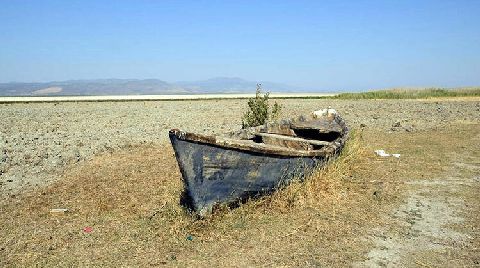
<point x="324" y="183"/>
<point x="130" y="198"/>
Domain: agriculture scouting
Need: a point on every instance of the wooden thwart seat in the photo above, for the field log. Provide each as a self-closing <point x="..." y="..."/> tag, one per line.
<point x="263" y="148"/>
<point x="291" y="142"/>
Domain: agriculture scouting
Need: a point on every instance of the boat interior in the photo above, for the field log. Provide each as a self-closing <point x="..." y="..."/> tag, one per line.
<point x="302" y="134"/>
<point x="298" y="137"/>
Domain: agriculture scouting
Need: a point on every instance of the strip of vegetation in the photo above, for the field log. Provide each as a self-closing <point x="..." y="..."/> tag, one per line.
<point x="411" y="93"/>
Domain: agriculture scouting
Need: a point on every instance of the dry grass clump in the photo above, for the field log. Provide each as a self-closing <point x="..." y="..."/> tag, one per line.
<point x="324" y="182"/>
<point x="114" y="194"/>
<point x="130" y="198"/>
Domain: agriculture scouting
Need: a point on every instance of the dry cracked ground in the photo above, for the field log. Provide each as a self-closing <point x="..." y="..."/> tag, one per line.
<point x="111" y="166"/>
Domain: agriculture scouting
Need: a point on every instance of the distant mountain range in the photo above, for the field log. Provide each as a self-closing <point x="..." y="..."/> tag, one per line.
<point x="138" y="87"/>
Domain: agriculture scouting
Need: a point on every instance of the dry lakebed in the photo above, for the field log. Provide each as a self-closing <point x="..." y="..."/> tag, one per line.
<point x="111" y="166"/>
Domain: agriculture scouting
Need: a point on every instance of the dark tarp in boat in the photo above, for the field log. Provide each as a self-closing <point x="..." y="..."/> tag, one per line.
<point x="251" y="162"/>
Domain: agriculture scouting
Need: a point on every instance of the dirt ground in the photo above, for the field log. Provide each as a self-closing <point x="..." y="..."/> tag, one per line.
<point x="419" y="210"/>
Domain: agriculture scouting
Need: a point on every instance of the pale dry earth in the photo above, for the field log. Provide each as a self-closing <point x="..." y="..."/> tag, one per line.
<point x="39" y="141"/>
<point x="54" y="90"/>
<point x="429" y="218"/>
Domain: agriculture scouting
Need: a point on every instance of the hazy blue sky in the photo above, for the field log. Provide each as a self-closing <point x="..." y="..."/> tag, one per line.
<point x="316" y="44"/>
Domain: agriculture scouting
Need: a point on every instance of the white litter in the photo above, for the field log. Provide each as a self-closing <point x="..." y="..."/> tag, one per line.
<point x="382" y="153"/>
<point x="58" y="210"/>
<point x="324" y="112"/>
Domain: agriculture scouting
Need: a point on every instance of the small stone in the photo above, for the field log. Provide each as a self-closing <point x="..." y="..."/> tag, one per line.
<point x="397" y="124"/>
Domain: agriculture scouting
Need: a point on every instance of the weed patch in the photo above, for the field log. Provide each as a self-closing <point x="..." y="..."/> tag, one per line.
<point x="411" y="94"/>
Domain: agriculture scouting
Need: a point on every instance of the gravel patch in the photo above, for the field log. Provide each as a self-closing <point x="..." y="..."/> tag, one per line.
<point x="38" y="140"/>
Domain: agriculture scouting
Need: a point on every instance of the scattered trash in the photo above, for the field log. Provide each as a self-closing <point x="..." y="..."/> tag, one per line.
<point x="87" y="229"/>
<point x="190" y="238"/>
<point x="329" y="112"/>
<point x="58" y="210"/>
<point x="382" y="153"/>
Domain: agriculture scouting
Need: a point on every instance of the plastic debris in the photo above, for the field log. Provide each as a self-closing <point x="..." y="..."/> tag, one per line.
<point x="325" y="112"/>
<point x="382" y="153"/>
<point x="189" y="238"/>
<point x="87" y="229"/>
<point x="58" y="210"/>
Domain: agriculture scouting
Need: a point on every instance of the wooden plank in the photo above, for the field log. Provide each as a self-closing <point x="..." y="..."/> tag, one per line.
<point x="280" y="129"/>
<point x="266" y="148"/>
<point x="292" y="144"/>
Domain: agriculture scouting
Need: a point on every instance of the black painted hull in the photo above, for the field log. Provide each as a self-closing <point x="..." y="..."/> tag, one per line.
<point x="213" y="174"/>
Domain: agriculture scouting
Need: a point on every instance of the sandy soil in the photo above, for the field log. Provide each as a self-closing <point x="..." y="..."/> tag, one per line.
<point x="430" y="219"/>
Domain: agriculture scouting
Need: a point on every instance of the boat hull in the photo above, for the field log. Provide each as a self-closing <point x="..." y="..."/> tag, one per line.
<point x="213" y="174"/>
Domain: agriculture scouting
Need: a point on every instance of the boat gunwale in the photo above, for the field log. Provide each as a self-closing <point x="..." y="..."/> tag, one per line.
<point x="272" y="150"/>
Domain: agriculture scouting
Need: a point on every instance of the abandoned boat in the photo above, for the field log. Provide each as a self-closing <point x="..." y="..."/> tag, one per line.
<point x="230" y="168"/>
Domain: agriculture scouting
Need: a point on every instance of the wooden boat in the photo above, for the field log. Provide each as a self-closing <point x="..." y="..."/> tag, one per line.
<point x="248" y="163"/>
